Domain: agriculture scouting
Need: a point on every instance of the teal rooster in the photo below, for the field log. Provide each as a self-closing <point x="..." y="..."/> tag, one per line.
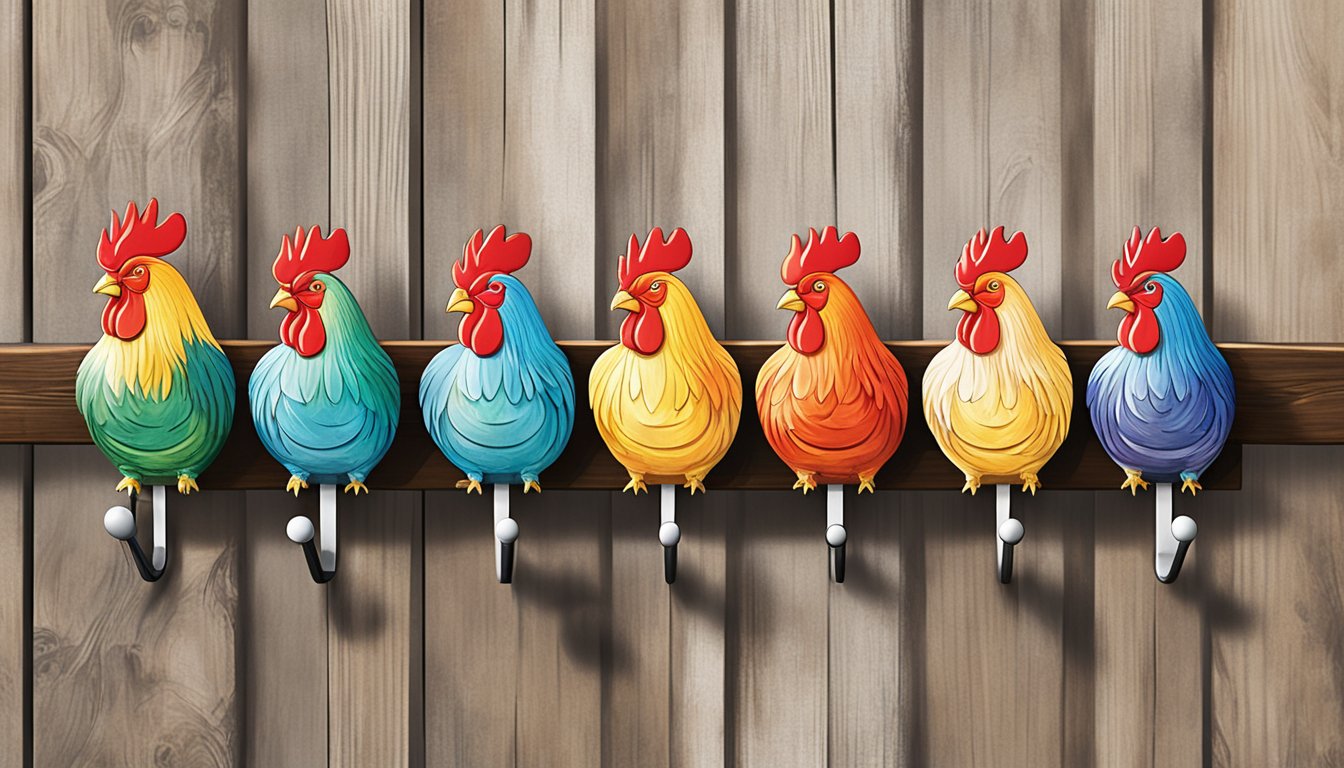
<point x="156" y="390"/>
<point x="326" y="401"/>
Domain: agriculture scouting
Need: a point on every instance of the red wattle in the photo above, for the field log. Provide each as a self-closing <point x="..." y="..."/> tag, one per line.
<point x="303" y="330"/>
<point x="482" y="331"/>
<point x="124" y="316"/>
<point x="806" y="332"/>
<point x="1139" y="331"/>
<point x="643" y="331"/>
<point x="979" y="331"/>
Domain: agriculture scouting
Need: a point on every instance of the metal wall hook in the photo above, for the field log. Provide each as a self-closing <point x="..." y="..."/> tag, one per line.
<point x="506" y="534"/>
<point x="1173" y="537"/>
<point x="300" y="530"/>
<point x="836" y="535"/>
<point x="669" y="533"/>
<point x="120" y="524"/>
<point x="1009" y="532"/>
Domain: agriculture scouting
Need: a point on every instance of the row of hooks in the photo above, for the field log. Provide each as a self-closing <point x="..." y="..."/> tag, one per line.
<point x="1173" y="536"/>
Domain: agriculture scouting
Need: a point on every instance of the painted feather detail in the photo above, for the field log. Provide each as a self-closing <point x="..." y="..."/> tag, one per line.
<point x="1006" y="412"/>
<point x="673" y="412"/>
<point x="331" y="416"/>
<point x="507" y="416"/>
<point x="1169" y="411"/>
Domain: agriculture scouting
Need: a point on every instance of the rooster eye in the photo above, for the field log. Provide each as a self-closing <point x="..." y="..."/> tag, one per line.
<point x="656" y="285"/>
<point x="139" y="271"/>
<point x="819" y="286"/>
<point x="317" y="286"/>
<point x="994" y="285"/>
<point x="1150" y="287"/>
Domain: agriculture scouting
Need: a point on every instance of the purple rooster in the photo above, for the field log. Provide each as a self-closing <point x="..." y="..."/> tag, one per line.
<point x="1162" y="402"/>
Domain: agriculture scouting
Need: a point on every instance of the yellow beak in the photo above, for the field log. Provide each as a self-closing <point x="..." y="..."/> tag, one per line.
<point x="284" y="299"/>
<point x="460" y="302"/>
<point x="1120" y="300"/>
<point x="107" y="286"/>
<point x="791" y="301"/>
<point x="963" y="301"/>
<point x="623" y="300"/>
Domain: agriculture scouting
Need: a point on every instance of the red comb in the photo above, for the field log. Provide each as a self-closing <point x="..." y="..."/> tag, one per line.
<point x="990" y="253"/>
<point x="485" y="256"/>
<point x="658" y="255"/>
<point x="309" y="252"/>
<point x="1144" y="256"/>
<point x="827" y="253"/>
<point x="137" y="235"/>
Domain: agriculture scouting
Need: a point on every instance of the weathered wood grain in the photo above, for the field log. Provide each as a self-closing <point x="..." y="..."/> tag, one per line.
<point x="373" y="608"/>
<point x="15" y="461"/>
<point x="1275" y="581"/>
<point x="284" y="647"/>
<point x="131" y="101"/>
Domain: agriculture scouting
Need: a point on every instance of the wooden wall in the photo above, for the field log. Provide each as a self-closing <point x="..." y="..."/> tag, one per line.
<point x="580" y="121"/>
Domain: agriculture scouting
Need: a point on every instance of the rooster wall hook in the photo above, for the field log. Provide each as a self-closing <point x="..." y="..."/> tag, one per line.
<point x="156" y="390"/>
<point x="668" y="398"/>
<point x="1162" y="402"/>
<point x="833" y="400"/>
<point x="499" y="404"/>
<point x="325" y="402"/>
<point x="999" y="398"/>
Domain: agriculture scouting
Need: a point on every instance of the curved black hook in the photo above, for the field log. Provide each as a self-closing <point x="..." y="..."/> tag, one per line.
<point x="321" y="565"/>
<point x="119" y="522"/>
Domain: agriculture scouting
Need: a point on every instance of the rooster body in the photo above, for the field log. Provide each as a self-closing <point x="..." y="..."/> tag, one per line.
<point x="833" y="400"/>
<point x="1162" y="402"/>
<point x="500" y="404"/>
<point x="326" y="401"/>
<point x="668" y="398"/>
<point x="998" y="399"/>
<point x="156" y="391"/>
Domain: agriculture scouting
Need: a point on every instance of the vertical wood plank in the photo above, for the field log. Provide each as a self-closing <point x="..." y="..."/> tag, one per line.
<point x="372" y="611"/>
<point x="285" y="646"/>
<point x="783" y="181"/>
<point x="132" y="101"/>
<point x="1275" y="597"/>
<point x="1148" y="164"/>
<point x="878" y="195"/>
<point x="15" y="459"/>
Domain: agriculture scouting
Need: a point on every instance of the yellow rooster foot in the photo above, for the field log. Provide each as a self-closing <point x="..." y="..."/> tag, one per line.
<point x="1030" y="482"/>
<point x="356" y="486"/>
<point x="470" y="485"/>
<point x="531" y="484"/>
<point x="866" y="483"/>
<point x="130" y="485"/>
<point x="695" y="484"/>
<point x="972" y="485"/>
<point x="185" y="485"/>
<point x="295" y="484"/>
<point x="1191" y="483"/>
<point x="1134" y="482"/>
<point x="636" y="484"/>
<point x="806" y="482"/>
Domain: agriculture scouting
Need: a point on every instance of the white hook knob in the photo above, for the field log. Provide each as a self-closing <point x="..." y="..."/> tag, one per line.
<point x="506" y="530"/>
<point x="836" y="535"/>
<point x="120" y="523"/>
<point x="1184" y="528"/>
<point x="300" y="529"/>
<point x="1011" y="531"/>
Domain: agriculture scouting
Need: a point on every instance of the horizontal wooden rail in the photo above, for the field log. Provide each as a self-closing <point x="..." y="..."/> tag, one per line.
<point x="1286" y="394"/>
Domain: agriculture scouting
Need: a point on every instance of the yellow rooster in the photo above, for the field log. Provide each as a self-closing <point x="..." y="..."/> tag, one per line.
<point x="668" y="398"/>
<point x="999" y="398"/>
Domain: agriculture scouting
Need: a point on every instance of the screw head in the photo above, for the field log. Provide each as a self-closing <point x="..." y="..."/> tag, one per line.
<point x="1011" y="531"/>
<point x="669" y="534"/>
<point x="836" y="535"/>
<point x="299" y="529"/>
<point x="506" y="530"/>
<point x="120" y="523"/>
<point x="1184" y="528"/>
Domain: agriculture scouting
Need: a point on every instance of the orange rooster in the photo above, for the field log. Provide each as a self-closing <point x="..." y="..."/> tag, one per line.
<point x="668" y="398"/>
<point x="833" y="400"/>
<point x="999" y="398"/>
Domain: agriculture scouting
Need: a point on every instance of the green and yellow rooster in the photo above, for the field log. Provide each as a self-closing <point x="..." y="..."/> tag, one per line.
<point x="156" y="390"/>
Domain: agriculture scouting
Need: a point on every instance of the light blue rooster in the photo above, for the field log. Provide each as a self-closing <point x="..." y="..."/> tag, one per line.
<point x="325" y="402"/>
<point x="500" y="405"/>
